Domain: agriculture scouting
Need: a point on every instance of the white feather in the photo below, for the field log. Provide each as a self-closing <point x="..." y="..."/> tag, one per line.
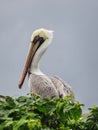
<point x="34" y="69"/>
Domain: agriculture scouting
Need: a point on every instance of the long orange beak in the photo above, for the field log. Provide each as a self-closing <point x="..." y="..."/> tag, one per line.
<point x="29" y="59"/>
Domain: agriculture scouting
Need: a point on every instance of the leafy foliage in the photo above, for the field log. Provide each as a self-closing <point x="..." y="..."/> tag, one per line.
<point x="36" y="113"/>
<point x="92" y="119"/>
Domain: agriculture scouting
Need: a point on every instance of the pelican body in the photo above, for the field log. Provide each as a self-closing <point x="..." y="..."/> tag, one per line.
<point x="39" y="83"/>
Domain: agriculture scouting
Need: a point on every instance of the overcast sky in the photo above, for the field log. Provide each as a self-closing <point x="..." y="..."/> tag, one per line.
<point x="73" y="55"/>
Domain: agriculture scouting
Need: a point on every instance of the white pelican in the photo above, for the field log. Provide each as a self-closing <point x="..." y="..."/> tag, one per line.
<point x="38" y="82"/>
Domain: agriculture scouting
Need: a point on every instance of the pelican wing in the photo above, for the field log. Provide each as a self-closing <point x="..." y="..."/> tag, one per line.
<point x="62" y="87"/>
<point x="42" y="85"/>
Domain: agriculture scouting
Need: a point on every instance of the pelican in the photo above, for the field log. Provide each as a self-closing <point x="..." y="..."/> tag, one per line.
<point x="39" y="83"/>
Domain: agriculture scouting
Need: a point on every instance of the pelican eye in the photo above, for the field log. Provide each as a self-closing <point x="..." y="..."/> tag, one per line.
<point x="41" y="40"/>
<point x="38" y="39"/>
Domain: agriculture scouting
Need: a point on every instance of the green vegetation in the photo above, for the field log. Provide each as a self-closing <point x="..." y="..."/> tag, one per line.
<point x="36" y="113"/>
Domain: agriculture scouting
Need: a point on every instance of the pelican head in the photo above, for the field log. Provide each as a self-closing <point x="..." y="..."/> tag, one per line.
<point x="40" y="40"/>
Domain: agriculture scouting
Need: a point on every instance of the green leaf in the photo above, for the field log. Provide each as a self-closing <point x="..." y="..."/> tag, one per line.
<point x="32" y="124"/>
<point x="19" y="123"/>
<point x="76" y="113"/>
<point x="6" y="124"/>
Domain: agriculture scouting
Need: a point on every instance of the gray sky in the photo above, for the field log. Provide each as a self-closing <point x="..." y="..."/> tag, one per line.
<point x="73" y="55"/>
